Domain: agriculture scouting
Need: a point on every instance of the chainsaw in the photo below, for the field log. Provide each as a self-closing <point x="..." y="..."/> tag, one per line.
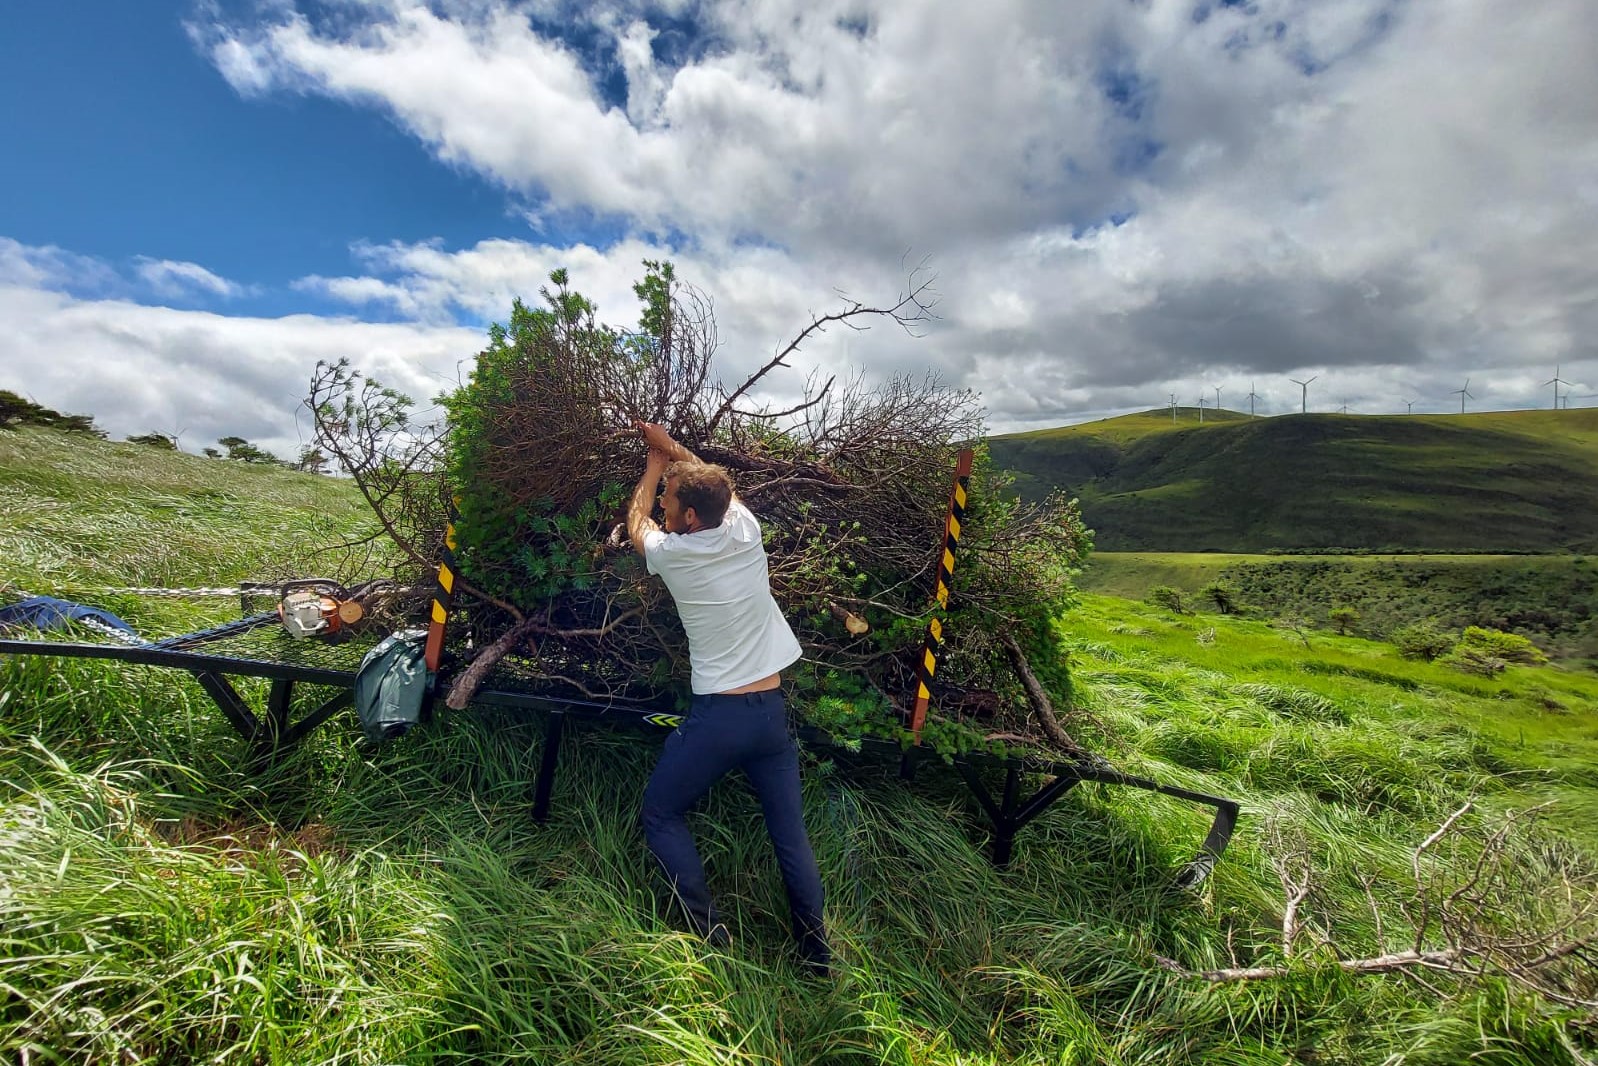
<point x="318" y="607"/>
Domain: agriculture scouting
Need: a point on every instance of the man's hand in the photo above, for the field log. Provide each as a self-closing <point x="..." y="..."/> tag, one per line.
<point x="658" y="439"/>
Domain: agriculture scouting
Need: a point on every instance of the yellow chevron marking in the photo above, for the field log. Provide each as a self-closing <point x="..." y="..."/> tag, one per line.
<point x="439" y="614"/>
<point x="670" y="721"/>
<point x="959" y="495"/>
<point x="943" y="595"/>
<point x="931" y="663"/>
<point x="948" y="561"/>
<point x="954" y="527"/>
<point x="449" y="537"/>
<point x="922" y="693"/>
<point x="446" y="578"/>
<point x="937" y="630"/>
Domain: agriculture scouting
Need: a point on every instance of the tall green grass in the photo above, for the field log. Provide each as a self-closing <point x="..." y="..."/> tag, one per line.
<point x="157" y="904"/>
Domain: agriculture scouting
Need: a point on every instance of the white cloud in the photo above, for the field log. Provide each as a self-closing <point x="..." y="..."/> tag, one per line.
<point x="49" y="267"/>
<point x="1390" y="196"/>
<point x="1354" y="185"/>
<point x="173" y="279"/>
<point x="137" y="368"/>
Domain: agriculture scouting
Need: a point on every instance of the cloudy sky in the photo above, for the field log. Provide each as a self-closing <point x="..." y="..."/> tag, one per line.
<point x="1121" y="200"/>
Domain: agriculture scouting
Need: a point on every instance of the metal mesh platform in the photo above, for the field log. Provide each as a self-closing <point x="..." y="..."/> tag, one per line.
<point x="261" y="639"/>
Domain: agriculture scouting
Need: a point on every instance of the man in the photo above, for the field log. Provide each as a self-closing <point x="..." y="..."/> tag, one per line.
<point x="712" y="560"/>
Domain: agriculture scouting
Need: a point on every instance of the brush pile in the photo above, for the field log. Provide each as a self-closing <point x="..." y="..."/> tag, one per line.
<point x="539" y="453"/>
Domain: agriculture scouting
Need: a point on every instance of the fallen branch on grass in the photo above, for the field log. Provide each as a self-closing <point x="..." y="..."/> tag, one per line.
<point x="1483" y="915"/>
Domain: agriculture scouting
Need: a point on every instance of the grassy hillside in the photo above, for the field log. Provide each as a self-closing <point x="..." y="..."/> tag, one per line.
<point x="399" y="905"/>
<point x="1551" y="598"/>
<point x="1520" y="481"/>
<point x="78" y="514"/>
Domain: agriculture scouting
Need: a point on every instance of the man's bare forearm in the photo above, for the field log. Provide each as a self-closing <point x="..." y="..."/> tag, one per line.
<point x="642" y="504"/>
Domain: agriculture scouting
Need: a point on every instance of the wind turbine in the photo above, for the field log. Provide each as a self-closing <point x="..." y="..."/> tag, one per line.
<point x="1409" y="406"/>
<point x="1201" y="408"/>
<point x="1556" y="381"/>
<point x="1344" y="409"/>
<point x="1217" y="399"/>
<point x="1252" y="396"/>
<point x="1303" y="400"/>
<point x="1464" y="394"/>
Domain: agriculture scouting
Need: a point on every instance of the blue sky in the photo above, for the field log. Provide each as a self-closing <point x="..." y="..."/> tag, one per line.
<point x="1120" y="201"/>
<point x="135" y="146"/>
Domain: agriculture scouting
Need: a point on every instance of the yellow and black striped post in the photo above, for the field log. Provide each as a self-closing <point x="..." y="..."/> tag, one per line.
<point x="928" y="666"/>
<point x="443" y="596"/>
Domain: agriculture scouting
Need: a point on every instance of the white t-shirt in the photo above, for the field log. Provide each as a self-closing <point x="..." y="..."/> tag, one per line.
<point x="718" y="577"/>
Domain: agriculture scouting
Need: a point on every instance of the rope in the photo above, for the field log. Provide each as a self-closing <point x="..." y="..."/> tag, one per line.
<point x="175" y="593"/>
<point x="111" y="631"/>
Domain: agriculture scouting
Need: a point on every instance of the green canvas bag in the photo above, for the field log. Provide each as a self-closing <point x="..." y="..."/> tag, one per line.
<point x="392" y="684"/>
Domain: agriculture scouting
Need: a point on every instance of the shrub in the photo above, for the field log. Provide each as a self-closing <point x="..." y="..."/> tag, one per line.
<point x="1421" y="640"/>
<point x="1167" y="597"/>
<point x="155" y="440"/>
<point x="1221" y="594"/>
<point x="1510" y="647"/>
<point x="1343" y="619"/>
<point x="18" y="411"/>
<point x="1474" y="660"/>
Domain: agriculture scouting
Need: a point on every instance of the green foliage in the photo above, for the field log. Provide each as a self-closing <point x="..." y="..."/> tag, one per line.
<point x="1474" y="659"/>
<point x="312" y="460"/>
<point x="1552" y="599"/>
<point x="527" y="550"/>
<point x="1510" y="647"/>
<point x="654" y="292"/>
<point x="849" y="710"/>
<point x="1222" y="595"/>
<point x="1169" y="598"/>
<point x="17" y="410"/>
<point x="243" y="451"/>
<point x="1489" y="652"/>
<point x="1343" y="619"/>
<point x="1422" y="640"/>
<point x="162" y="441"/>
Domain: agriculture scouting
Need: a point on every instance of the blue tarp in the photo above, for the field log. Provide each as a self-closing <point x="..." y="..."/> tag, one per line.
<point x="47" y="612"/>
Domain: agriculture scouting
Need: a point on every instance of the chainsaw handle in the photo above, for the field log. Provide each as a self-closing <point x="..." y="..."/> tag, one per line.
<point x="320" y="584"/>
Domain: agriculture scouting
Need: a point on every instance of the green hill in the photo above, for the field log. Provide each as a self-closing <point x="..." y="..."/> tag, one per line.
<point x="1519" y="481"/>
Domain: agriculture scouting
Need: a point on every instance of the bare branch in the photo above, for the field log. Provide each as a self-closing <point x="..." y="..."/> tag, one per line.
<point x="913" y="306"/>
<point x="1042" y="706"/>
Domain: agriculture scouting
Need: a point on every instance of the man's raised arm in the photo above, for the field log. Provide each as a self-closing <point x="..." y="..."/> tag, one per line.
<point x="642" y="504"/>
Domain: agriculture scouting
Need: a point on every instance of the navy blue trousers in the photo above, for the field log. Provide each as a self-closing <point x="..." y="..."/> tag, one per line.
<point x="747" y="732"/>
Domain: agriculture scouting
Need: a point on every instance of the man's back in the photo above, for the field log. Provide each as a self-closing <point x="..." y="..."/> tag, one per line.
<point x="720" y="582"/>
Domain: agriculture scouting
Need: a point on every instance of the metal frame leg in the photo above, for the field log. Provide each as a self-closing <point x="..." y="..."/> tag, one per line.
<point x="1005" y="825"/>
<point x="278" y="701"/>
<point x="1011" y="814"/>
<point x="230" y="703"/>
<point x="546" y="770"/>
